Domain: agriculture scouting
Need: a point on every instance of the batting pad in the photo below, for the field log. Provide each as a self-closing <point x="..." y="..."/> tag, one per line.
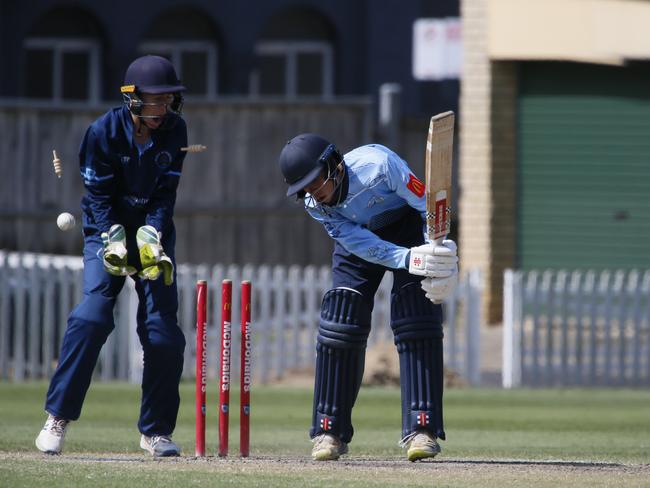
<point x="417" y="328"/>
<point x="340" y="354"/>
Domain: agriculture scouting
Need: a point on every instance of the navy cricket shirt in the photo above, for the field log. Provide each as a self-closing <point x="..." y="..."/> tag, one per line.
<point x="126" y="184"/>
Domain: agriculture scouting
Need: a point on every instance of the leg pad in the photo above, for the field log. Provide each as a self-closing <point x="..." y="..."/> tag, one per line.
<point x="340" y="354"/>
<point x="417" y="327"/>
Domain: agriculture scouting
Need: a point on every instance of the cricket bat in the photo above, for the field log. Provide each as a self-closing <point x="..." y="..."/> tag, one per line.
<point x="440" y="143"/>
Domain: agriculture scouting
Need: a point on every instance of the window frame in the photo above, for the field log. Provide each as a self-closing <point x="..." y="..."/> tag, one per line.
<point x="61" y="45"/>
<point x="176" y="48"/>
<point x="290" y="50"/>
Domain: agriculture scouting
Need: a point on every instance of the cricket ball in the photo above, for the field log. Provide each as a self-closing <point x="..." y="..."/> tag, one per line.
<point x="66" y="221"/>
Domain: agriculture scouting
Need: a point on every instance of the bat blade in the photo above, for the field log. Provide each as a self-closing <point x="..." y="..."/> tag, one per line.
<point x="440" y="142"/>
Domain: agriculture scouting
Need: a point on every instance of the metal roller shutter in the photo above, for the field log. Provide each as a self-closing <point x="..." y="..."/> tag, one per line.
<point x="584" y="166"/>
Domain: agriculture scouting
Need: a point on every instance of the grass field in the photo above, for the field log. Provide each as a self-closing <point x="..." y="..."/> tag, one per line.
<point x="495" y="438"/>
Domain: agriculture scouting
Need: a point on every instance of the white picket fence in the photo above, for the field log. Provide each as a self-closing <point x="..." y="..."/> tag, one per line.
<point x="37" y="292"/>
<point x="581" y="328"/>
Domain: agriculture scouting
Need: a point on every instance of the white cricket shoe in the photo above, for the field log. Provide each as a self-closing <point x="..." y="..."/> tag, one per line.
<point x="159" y="445"/>
<point x="420" y="445"/>
<point x="328" y="448"/>
<point x="50" y="439"/>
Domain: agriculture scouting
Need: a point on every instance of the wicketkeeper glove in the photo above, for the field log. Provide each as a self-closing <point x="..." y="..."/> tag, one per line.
<point x="433" y="261"/>
<point x="115" y="255"/>
<point x="152" y="257"/>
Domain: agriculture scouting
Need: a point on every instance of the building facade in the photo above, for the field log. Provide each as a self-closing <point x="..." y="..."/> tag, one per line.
<point x="554" y="168"/>
<point x="78" y="51"/>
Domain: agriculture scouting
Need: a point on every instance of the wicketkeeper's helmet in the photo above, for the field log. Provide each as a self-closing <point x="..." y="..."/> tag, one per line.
<point x="155" y="75"/>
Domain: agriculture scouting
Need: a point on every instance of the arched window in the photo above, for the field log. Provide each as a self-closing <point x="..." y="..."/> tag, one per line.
<point x="189" y="40"/>
<point x="63" y="57"/>
<point x="294" y="56"/>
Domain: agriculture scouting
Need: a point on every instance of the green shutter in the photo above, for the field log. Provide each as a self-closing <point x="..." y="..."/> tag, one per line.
<point x="583" y="166"/>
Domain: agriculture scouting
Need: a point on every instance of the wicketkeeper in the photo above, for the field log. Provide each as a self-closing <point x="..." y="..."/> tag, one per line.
<point x="131" y="162"/>
<point x="373" y="206"/>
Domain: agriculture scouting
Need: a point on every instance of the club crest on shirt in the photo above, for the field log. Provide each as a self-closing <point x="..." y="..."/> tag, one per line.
<point x="125" y="159"/>
<point x="163" y="159"/>
<point x="416" y="186"/>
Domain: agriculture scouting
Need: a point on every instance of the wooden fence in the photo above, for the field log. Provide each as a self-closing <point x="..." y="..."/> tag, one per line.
<point x="37" y="292"/>
<point x="582" y="328"/>
<point x="231" y="203"/>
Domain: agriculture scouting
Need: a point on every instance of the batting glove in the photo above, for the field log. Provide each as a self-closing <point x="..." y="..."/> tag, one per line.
<point x="434" y="261"/>
<point x="439" y="289"/>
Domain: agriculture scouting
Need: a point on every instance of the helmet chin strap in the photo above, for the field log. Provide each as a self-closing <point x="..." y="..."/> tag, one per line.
<point x="140" y="126"/>
<point x="337" y="176"/>
<point x="135" y="106"/>
<point x="338" y="183"/>
<point x="140" y="123"/>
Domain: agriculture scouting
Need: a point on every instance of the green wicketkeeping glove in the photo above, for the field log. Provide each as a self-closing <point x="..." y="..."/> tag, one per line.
<point x="115" y="255"/>
<point x="152" y="257"/>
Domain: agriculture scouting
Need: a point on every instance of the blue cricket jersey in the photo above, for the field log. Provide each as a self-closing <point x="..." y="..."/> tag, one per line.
<point x="381" y="187"/>
<point x="127" y="184"/>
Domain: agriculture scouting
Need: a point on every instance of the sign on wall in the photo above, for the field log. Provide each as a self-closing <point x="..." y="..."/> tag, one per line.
<point x="437" y="49"/>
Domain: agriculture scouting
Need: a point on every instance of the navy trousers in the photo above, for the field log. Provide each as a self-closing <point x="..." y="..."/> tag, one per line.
<point x="351" y="271"/>
<point x="417" y="327"/>
<point x="91" y="322"/>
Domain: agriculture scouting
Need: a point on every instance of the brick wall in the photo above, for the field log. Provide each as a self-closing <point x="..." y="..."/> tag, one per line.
<point x="487" y="164"/>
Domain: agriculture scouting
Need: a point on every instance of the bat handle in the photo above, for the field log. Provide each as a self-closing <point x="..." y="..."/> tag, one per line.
<point x="438" y="241"/>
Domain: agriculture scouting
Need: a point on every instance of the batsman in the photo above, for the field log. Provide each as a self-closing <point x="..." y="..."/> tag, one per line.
<point x="131" y="163"/>
<point x="374" y="208"/>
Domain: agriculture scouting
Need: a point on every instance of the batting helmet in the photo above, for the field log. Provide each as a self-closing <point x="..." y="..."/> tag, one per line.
<point x="305" y="157"/>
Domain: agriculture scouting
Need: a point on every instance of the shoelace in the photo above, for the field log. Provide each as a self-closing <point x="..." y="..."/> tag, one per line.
<point x="158" y="438"/>
<point x="323" y="439"/>
<point x="57" y="425"/>
<point x="427" y="441"/>
<point x="406" y="440"/>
